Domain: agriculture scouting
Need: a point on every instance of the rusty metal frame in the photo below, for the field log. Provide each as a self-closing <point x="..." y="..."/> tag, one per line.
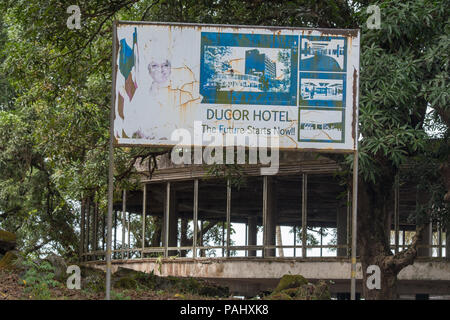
<point x="342" y="32"/>
<point x="323" y="31"/>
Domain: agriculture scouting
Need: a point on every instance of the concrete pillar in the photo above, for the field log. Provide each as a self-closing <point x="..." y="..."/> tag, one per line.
<point x="172" y="221"/>
<point x="271" y="217"/>
<point x="341" y="221"/>
<point x="447" y="244"/>
<point x="82" y="229"/>
<point x="183" y="236"/>
<point x="251" y="235"/>
<point x="427" y="239"/>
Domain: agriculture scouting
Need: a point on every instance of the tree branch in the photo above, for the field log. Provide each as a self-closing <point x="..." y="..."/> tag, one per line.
<point x="405" y="258"/>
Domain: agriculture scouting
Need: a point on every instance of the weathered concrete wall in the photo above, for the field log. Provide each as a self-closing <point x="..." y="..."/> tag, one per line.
<point x="275" y="268"/>
<point x="247" y="277"/>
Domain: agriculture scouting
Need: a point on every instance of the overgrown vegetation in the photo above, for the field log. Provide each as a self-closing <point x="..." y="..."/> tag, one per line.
<point x="55" y="94"/>
<point x="38" y="278"/>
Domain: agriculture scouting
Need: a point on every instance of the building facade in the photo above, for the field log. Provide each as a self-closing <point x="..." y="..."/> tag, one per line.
<point x="247" y="236"/>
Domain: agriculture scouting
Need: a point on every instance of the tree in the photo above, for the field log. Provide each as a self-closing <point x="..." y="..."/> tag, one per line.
<point x="403" y="73"/>
<point x="54" y="132"/>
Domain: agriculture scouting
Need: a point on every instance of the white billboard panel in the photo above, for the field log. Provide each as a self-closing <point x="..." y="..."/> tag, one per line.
<point x="299" y="85"/>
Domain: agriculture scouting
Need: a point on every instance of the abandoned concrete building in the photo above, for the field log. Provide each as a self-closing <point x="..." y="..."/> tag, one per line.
<point x="248" y="236"/>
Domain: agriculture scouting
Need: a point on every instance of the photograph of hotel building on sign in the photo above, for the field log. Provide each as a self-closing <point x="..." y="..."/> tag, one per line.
<point x="260" y="71"/>
<point x="243" y="68"/>
<point x="322" y="89"/>
<point x="322" y="99"/>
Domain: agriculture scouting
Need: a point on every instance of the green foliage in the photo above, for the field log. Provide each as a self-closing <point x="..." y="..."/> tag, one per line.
<point x="296" y="287"/>
<point x="130" y="279"/>
<point x="404" y="71"/>
<point x="8" y="260"/>
<point x="54" y="121"/>
<point x="430" y="182"/>
<point x="311" y="238"/>
<point x="231" y="172"/>
<point x="119" y="296"/>
<point x="54" y="112"/>
<point x="38" y="279"/>
<point x="289" y="281"/>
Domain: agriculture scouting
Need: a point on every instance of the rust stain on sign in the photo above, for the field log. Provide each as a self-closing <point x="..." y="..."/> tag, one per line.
<point x="181" y="101"/>
<point x="355" y="92"/>
<point x="348" y="33"/>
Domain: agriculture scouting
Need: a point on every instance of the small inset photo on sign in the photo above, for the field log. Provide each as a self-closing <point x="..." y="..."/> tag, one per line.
<point x="323" y="54"/>
<point x="322" y="89"/>
<point x="249" y="69"/>
<point x="321" y="125"/>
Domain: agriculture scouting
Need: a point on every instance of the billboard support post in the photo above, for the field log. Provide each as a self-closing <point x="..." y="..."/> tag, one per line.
<point x="354" y="224"/>
<point x="110" y="172"/>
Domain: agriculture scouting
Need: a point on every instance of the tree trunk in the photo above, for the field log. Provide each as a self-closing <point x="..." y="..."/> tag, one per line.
<point x="445" y="170"/>
<point x="7" y="241"/>
<point x="374" y="224"/>
<point x="156" y="236"/>
<point x="183" y="236"/>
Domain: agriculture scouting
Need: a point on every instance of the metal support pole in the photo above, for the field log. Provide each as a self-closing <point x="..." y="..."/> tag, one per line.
<point x="295" y="240"/>
<point x="354" y="224"/>
<point x="166" y="221"/>
<point x="109" y="220"/>
<point x="403" y="239"/>
<point x="265" y="186"/>
<point x="144" y="213"/>
<point x="321" y="240"/>
<point x="194" y="238"/>
<point x="304" y="212"/>
<point x="129" y="235"/>
<point x="124" y="210"/>
<point x="115" y="234"/>
<point x="111" y="170"/>
<point x="202" y="251"/>
<point x="223" y="240"/>
<point x="439" y="230"/>
<point x="228" y="215"/>
<point x="349" y="215"/>
<point x="396" y="213"/>
<point x="246" y="238"/>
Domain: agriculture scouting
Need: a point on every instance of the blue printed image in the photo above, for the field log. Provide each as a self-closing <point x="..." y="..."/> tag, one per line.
<point x="319" y="53"/>
<point x="249" y="69"/>
<point x="322" y="89"/>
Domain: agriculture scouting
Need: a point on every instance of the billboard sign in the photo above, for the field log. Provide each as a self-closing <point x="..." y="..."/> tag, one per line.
<point x="300" y="85"/>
